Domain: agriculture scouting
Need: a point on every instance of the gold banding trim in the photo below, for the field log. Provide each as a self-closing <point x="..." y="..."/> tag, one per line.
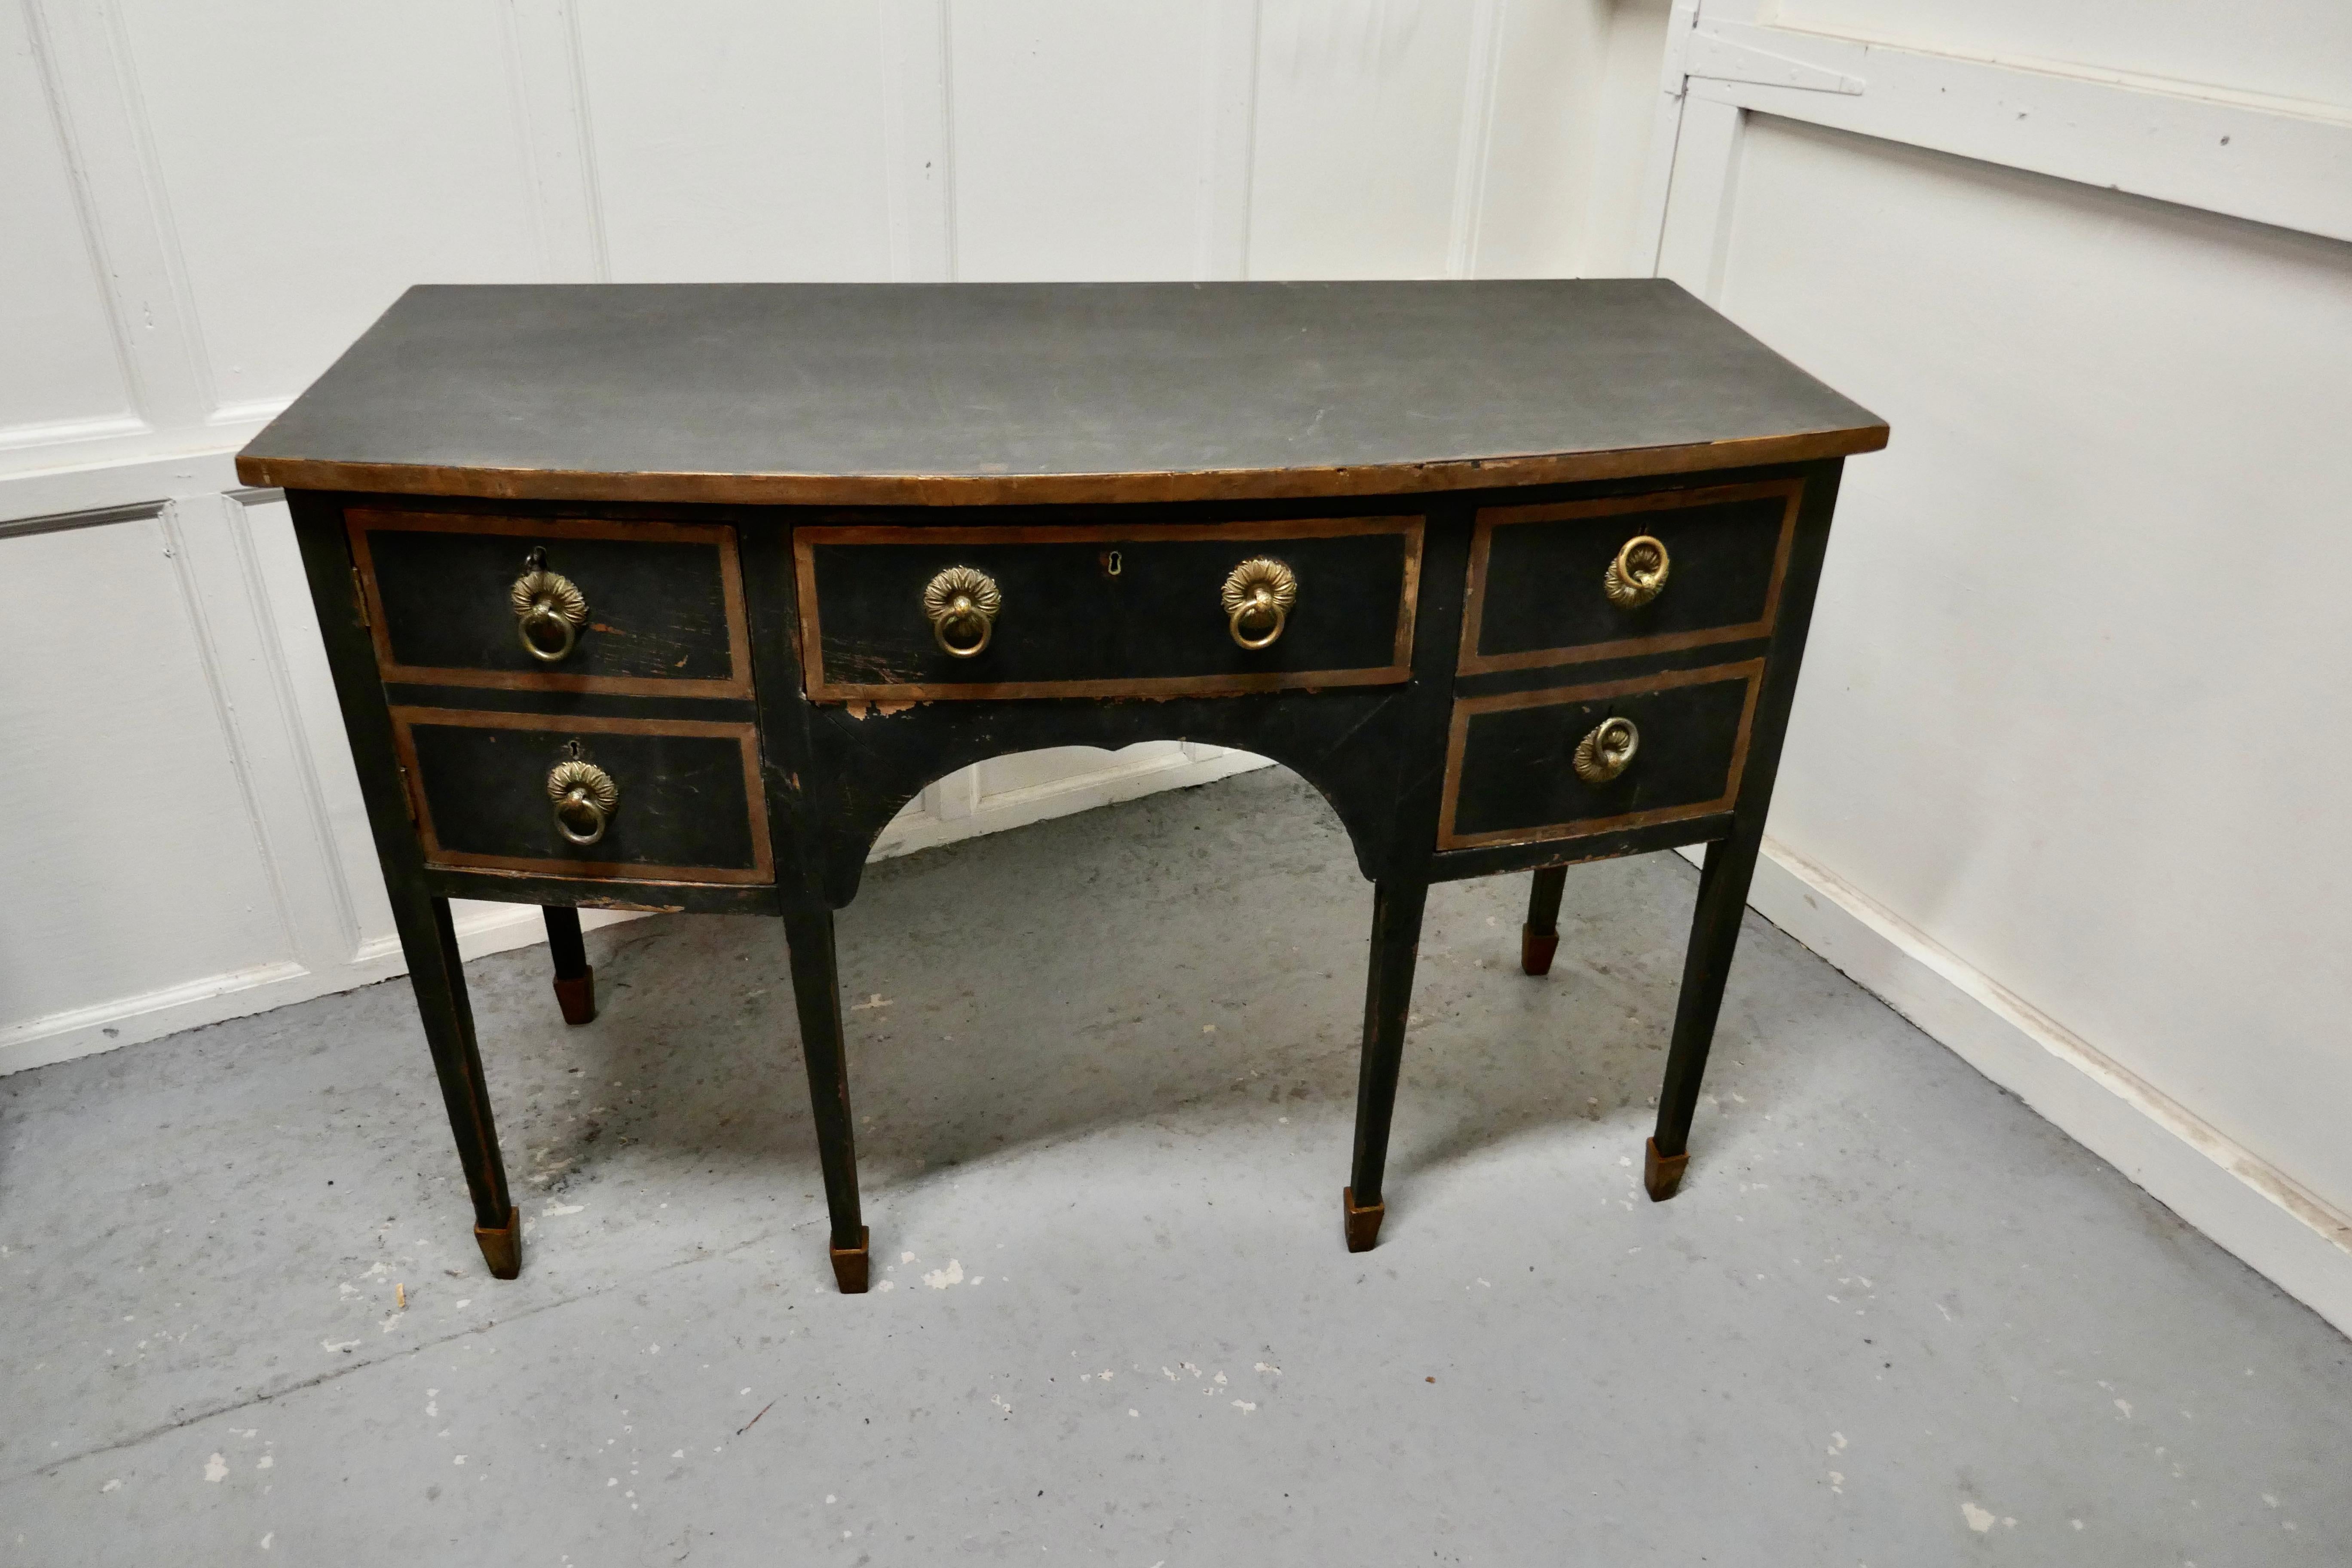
<point x="361" y="522"/>
<point x="746" y="737"/>
<point x="1473" y="608"/>
<point x="1038" y="490"/>
<point x="1467" y="708"/>
<point x="821" y="689"/>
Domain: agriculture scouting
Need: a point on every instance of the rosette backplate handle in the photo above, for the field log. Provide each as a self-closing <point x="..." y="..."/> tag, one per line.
<point x="1607" y="752"/>
<point x="585" y="798"/>
<point x="1634" y="578"/>
<point x="961" y="604"/>
<point x="1259" y="595"/>
<point x="549" y="610"/>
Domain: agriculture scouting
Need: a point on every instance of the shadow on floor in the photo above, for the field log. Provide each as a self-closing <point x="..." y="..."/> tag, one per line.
<point x="1038" y="985"/>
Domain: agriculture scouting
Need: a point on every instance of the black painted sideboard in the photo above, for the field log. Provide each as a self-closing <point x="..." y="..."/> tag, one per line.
<point x="670" y="597"/>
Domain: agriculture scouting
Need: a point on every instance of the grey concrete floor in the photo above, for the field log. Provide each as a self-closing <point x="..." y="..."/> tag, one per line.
<point x="1103" y="1071"/>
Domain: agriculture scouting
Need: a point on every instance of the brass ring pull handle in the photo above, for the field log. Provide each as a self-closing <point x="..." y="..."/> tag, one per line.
<point x="1259" y="595"/>
<point x="549" y="613"/>
<point x="1607" y="752"/>
<point x="1633" y="579"/>
<point x="585" y="796"/>
<point x="961" y="605"/>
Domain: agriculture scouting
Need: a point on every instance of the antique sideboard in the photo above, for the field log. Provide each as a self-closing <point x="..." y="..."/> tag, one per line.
<point x="669" y="597"/>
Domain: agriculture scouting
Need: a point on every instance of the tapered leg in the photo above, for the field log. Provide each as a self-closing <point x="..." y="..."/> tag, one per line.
<point x="431" y="945"/>
<point x="1715" y="933"/>
<point x="575" y="979"/>
<point x="1388" y="999"/>
<point x="816" y="989"/>
<point x="1539" y="938"/>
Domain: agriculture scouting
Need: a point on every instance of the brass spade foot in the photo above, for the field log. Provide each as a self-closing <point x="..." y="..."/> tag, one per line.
<point x="1663" y="1174"/>
<point x="849" y="1264"/>
<point x="578" y="998"/>
<point x="502" y="1246"/>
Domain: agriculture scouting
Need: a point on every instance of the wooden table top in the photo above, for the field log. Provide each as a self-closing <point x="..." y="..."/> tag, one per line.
<point x="1038" y="392"/>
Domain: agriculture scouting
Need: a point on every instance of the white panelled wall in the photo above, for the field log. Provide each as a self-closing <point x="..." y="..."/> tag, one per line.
<point x="200" y="207"/>
<point x="2064" y="778"/>
<point x="2062" y="784"/>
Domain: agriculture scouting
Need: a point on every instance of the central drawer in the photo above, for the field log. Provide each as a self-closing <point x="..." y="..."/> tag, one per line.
<point x="921" y="614"/>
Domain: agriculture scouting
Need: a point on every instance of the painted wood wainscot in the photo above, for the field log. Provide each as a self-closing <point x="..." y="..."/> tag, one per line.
<point x="671" y="596"/>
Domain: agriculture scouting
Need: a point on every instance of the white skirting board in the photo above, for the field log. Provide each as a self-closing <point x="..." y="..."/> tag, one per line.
<point x="962" y="805"/>
<point x="215" y="998"/>
<point x="2276" y="1226"/>
<point x="959" y="806"/>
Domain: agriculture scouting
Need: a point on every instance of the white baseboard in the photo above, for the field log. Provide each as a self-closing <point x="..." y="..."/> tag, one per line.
<point x="127" y="1020"/>
<point x="192" y="1004"/>
<point x="2277" y="1227"/>
<point x="920" y="829"/>
<point x="496" y="928"/>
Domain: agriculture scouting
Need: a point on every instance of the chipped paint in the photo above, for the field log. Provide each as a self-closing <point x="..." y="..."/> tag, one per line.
<point x="1980" y="1519"/>
<point x="941" y="1278"/>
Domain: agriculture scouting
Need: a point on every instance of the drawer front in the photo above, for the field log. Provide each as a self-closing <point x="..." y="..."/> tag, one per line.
<point x="659" y="609"/>
<point x="684" y="804"/>
<point x="1512" y="771"/>
<point x="1109" y="611"/>
<point x="1541" y="590"/>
